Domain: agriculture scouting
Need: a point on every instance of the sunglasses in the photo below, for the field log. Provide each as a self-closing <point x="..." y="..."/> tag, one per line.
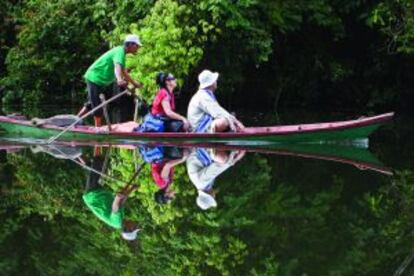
<point x="169" y="77"/>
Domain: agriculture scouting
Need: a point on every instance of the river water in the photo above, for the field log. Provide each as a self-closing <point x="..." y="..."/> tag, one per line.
<point x="334" y="209"/>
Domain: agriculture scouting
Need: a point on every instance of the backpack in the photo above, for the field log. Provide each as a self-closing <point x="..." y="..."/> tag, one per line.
<point x="152" y="124"/>
<point x="152" y="154"/>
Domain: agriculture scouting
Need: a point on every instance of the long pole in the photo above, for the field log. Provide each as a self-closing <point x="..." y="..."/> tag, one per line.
<point x="105" y="112"/>
<point x="53" y="138"/>
<point x="102" y="174"/>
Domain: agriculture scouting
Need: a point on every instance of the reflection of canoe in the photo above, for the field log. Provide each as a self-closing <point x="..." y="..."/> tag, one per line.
<point x="359" y="157"/>
<point x="353" y="129"/>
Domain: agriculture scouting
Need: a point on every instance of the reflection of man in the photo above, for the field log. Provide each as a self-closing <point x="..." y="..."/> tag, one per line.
<point x="107" y="206"/>
<point x="203" y="167"/>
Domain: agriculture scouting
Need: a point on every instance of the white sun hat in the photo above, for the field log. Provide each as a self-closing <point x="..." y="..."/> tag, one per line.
<point x="207" y="78"/>
<point x="205" y="201"/>
<point x="130" y="236"/>
<point x="133" y="38"/>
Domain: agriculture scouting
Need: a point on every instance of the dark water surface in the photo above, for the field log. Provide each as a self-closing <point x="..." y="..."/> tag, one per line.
<point x="335" y="209"/>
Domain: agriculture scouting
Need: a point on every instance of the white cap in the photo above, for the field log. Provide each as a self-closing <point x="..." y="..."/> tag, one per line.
<point x="205" y="201"/>
<point x="133" y="38"/>
<point x="207" y="78"/>
<point x="130" y="236"/>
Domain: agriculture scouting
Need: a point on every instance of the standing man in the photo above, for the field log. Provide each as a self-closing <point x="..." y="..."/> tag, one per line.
<point x="107" y="72"/>
<point x="205" y="113"/>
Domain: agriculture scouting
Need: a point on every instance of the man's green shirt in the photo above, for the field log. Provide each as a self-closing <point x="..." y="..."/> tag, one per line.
<point x="100" y="203"/>
<point x="102" y="71"/>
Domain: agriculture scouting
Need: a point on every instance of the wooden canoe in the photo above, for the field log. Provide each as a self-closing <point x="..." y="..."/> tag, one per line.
<point x="316" y="132"/>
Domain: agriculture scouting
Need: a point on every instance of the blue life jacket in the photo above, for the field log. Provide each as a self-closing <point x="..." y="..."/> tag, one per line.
<point x="207" y="119"/>
<point x="152" y="154"/>
<point x="152" y="124"/>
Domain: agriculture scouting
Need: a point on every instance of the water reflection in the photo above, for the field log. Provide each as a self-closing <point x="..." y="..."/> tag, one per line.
<point x="288" y="209"/>
<point x="204" y="166"/>
<point x="163" y="160"/>
<point x="109" y="207"/>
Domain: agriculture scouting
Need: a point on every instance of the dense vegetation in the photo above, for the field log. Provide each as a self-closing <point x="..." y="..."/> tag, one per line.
<point x="272" y="221"/>
<point x="345" y="54"/>
<point x="340" y="221"/>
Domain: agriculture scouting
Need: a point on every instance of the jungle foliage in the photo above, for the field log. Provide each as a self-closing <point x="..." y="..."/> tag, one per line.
<point x="269" y="222"/>
<point x="328" y="53"/>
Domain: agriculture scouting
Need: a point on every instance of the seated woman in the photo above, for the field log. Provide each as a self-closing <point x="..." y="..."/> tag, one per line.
<point x="162" y="116"/>
<point x="163" y="105"/>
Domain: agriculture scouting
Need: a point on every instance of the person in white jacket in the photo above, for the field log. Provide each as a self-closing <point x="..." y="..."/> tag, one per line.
<point x="204" y="166"/>
<point x="204" y="112"/>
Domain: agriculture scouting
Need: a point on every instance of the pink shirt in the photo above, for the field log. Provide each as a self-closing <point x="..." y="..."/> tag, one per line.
<point x="156" y="169"/>
<point x="162" y="94"/>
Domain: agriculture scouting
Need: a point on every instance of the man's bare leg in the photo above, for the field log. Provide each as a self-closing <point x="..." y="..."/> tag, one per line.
<point x="82" y="112"/>
<point x="98" y="121"/>
<point x="125" y="127"/>
<point x="121" y="127"/>
<point x="220" y="125"/>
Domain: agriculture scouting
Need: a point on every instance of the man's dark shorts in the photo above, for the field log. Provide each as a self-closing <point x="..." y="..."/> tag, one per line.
<point x="93" y="95"/>
<point x="93" y="178"/>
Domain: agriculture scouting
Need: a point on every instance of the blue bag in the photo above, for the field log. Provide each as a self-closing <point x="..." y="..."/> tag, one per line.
<point x="152" y="154"/>
<point x="152" y="124"/>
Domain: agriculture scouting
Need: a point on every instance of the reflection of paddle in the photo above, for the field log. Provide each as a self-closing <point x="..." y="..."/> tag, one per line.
<point x="83" y="165"/>
<point x="122" y="196"/>
<point x="52" y="139"/>
<point x="129" y="188"/>
<point x="107" y="154"/>
<point x="137" y="172"/>
<point x="106" y="160"/>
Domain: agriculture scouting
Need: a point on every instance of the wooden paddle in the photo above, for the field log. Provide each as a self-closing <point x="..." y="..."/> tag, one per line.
<point x="53" y="138"/>
<point x="136" y="102"/>
<point x="105" y="112"/>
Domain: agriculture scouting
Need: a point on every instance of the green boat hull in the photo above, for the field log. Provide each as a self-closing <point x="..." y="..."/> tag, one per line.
<point x="346" y="130"/>
<point x="45" y="133"/>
